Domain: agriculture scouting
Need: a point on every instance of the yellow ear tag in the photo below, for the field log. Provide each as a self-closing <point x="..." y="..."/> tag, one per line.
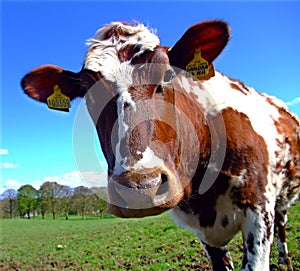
<point x="58" y="101"/>
<point x="199" y="68"/>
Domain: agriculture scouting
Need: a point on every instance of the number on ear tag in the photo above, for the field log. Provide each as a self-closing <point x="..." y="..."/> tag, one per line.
<point x="58" y="101"/>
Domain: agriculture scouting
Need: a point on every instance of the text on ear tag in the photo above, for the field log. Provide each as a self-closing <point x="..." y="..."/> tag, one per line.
<point x="199" y="68"/>
<point x="58" y="101"/>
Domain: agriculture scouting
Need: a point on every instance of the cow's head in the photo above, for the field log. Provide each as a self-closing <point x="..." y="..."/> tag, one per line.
<point x="126" y="81"/>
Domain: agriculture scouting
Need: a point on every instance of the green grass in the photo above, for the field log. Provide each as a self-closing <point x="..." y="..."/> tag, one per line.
<point x="153" y="243"/>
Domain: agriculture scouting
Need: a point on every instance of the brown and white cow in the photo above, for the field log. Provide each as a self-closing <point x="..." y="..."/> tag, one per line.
<point x="219" y="155"/>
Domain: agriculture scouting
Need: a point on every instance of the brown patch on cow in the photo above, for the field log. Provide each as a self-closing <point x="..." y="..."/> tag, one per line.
<point x="289" y="127"/>
<point x="159" y="56"/>
<point x="89" y="78"/>
<point x="247" y="157"/>
<point x="127" y="52"/>
<point x="240" y="86"/>
<point x="290" y="170"/>
<point x="236" y="87"/>
<point x="195" y="113"/>
<point x="268" y="220"/>
<point x="97" y="98"/>
<point x="115" y="30"/>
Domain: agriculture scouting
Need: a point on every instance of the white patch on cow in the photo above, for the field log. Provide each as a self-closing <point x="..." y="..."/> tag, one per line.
<point x="239" y="180"/>
<point x="185" y="220"/>
<point x="149" y="160"/>
<point x="124" y="98"/>
<point x="254" y="234"/>
<point x="217" y="235"/>
<point x="102" y="55"/>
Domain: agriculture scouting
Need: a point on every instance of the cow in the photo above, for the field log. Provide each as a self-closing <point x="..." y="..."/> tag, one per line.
<point x="180" y="136"/>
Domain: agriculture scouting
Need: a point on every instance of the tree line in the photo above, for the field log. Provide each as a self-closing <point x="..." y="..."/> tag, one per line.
<point x="53" y="198"/>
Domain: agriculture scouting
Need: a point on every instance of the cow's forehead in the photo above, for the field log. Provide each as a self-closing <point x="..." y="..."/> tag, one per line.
<point x="102" y="55"/>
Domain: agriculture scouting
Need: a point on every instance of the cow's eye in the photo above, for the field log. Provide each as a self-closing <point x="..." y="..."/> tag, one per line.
<point x="169" y="75"/>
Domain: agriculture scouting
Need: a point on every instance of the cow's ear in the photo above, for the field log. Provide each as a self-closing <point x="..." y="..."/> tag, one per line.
<point x="39" y="83"/>
<point x="210" y="37"/>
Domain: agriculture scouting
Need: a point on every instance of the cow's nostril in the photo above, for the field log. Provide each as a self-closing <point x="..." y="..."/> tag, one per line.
<point x="163" y="187"/>
<point x="164" y="178"/>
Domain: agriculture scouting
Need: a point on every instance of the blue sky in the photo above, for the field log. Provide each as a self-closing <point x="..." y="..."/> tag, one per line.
<point x="36" y="142"/>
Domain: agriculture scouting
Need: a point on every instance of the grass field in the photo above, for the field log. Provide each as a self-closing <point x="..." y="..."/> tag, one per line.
<point x="153" y="243"/>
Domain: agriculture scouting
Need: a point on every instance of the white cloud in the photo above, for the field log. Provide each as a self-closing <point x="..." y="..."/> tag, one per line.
<point x="76" y="178"/>
<point x="2" y="189"/>
<point x="71" y="179"/>
<point x="94" y="179"/>
<point x="37" y="184"/>
<point x="14" y="184"/>
<point x="8" y="165"/>
<point x="51" y="179"/>
<point x="3" y="152"/>
<point x="294" y="102"/>
<point x="10" y="184"/>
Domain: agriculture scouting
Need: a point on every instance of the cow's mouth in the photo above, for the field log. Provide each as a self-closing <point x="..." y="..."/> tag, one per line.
<point x="144" y="192"/>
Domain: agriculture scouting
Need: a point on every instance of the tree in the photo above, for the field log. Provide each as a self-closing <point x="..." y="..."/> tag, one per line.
<point x="50" y="196"/>
<point x="27" y="199"/>
<point x="100" y="200"/>
<point x="81" y="198"/>
<point x="9" y="198"/>
<point x="66" y="193"/>
<point x="43" y="203"/>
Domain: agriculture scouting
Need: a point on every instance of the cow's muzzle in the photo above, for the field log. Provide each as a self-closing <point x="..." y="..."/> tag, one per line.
<point x="143" y="192"/>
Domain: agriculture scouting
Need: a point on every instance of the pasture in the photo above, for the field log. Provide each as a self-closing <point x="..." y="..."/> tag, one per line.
<point x="152" y="243"/>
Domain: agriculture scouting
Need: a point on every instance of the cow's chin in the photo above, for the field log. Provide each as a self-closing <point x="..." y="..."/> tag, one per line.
<point x="135" y="213"/>
<point x="138" y="213"/>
